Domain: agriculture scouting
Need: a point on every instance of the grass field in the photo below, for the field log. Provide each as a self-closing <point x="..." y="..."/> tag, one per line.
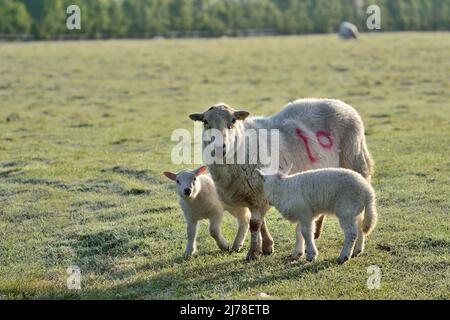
<point x="85" y="133"/>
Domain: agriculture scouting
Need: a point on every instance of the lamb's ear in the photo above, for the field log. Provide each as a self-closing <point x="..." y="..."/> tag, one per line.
<point x="172" y="176"/>
<point x="241" y="115"/>
<point x="197" y="116"/>
<point x="200" y="171"/>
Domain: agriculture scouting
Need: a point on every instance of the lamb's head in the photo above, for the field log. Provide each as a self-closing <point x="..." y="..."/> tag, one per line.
<point x="272" y="180"/>
<point x="223" y="121"/>
<point x="269" y="177"/>
<point x="188" y="186"/>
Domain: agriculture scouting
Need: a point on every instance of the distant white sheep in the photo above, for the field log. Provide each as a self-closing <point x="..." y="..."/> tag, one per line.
<point x="303" y="196"/>
<point x="348" y="30"/>
<point x="199" y="200"/>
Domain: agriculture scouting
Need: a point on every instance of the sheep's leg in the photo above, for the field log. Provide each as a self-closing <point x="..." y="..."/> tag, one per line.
<point x="299" y="243"/>
<point x="350" y="228"/>
<point x="307" y="230"/>
<point x="267" y="240"/>
<point x="214" y="231"/>
<point x="243" y="218"/>
<point x="359" y="245"/>
<point x="319" y="226"/>
<point x="192" y="237"/>
<point x="255" y="240"/>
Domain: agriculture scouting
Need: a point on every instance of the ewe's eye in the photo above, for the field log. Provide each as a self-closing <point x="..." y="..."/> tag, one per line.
<point x="195" y="179"/>
<point x="178" y="182"/>
<point x="233" y="121"/>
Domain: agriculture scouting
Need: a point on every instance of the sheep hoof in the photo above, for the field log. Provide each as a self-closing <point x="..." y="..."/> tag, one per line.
<point x="341" y="260"/>
<point x="252" y="256"/>
<point x="267" y="247"/>
<point x="356" y="253"/>
<point x="236" y="249"/>
<point x="311" y="258"/>
<point x="295" y="256"/>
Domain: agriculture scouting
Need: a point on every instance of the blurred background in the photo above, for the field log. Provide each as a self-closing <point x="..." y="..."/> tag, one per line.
<point x="45" y="19"/>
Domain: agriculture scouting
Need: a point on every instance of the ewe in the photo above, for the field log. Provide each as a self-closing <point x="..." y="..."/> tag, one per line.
<point x="199" y="200"/>
<point x="302" y="196"/>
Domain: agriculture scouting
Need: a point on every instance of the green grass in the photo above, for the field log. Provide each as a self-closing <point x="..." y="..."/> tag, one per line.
<point x="85" y="133"/>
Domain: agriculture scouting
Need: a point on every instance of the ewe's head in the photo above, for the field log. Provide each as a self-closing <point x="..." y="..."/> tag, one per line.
<point x="223" y="120"/>
<point x="188" y="185"/>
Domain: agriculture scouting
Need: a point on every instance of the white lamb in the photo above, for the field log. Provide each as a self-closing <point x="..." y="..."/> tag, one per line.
<point x="199" y="200"/>
<point x="303" y="196"/>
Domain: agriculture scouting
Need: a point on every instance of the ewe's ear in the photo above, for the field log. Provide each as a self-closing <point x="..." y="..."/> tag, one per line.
<point x="200" y="171"/>
<point x="241" y="115"/>
<point x="172" y="176"/>
<point x="197" y="116"/>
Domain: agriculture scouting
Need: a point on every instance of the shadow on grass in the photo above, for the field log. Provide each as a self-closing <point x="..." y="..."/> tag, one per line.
<point x="184" y="280"/>
<point x="133" y="173"/>
<point x="96" y="251"/>
<point x="427" y="243"/>
<point x="105" y="186"/>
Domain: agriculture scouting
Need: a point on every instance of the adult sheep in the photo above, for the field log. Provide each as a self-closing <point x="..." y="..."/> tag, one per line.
<point x="313" y="133"/>
<point x="348" y="30"/>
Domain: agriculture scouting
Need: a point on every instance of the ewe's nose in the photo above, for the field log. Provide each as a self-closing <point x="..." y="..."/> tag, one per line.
<point x="187" y="191"/>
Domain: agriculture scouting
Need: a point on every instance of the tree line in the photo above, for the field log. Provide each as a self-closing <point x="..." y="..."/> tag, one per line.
<point x="46" y="19"/>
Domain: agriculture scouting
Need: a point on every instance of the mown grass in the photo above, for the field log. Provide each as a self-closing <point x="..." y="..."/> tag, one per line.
<point x="85" y="133"/>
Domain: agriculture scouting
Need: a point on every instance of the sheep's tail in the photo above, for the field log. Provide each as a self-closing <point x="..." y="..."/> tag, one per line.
<point x="370" y="214"/>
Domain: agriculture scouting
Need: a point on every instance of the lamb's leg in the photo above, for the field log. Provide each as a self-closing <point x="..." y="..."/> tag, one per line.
<point x="214" y="231"/>
<point x="350" y="227"/>
<point x="192" y="237"/>
<point x="359" y="245"/>
<point x="307" y="230"/>
<point x="267" y="240"/>
<point x="299" y="243"/>
<point x="319" y="226"/>
<point x="255" y="230"/>
<point x="243" y="218"/>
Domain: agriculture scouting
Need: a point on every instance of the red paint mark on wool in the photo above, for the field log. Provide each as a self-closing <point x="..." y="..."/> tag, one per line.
<point x="304" y="138"/>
